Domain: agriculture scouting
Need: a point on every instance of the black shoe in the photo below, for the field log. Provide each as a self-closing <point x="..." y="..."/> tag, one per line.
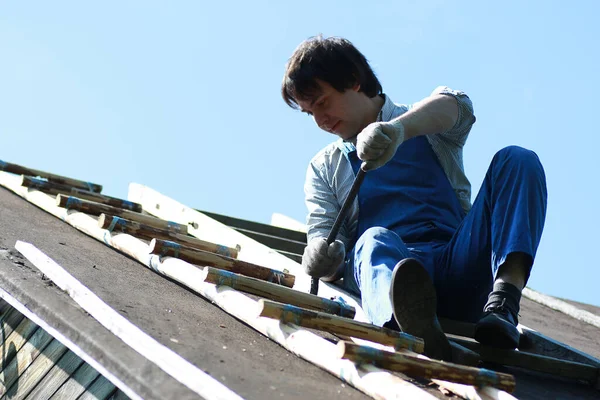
<point x="498" y="327"/>
<point x="414" y="303"/>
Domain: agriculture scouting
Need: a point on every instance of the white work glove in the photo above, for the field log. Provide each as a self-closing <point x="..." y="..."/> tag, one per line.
<point x="322" y="260"/>
<point x="378" y="142"/>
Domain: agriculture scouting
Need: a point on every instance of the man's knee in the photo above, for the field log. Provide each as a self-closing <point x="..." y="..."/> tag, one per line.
<point x="520" y="157"/>
<point x="376" y="233"/>
<point x="376" y="239"/>
<point x="517" y="154"/>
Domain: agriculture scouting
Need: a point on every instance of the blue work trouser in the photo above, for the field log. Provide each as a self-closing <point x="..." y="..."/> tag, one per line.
<point x="507" y="216"/>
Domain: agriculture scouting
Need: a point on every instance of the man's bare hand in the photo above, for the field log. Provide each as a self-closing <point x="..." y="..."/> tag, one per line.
<point x="322" y="260"/>
<point x="378" y="142"/>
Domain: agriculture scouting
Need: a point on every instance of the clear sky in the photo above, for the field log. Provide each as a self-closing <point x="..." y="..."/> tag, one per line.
<point x="183" y="96"/>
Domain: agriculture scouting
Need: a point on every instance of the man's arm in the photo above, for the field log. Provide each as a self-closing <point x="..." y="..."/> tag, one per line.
<point x="321" y="260"/>
<point x="446" y="112"/>
<point x="437" y="113"/>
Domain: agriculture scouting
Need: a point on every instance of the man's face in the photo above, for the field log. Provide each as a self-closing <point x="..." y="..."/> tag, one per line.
<point x="340" y="113"/>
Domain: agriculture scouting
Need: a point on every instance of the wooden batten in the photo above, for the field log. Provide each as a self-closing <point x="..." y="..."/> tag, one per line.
<point x="532" y="343"/>
<point x="93" y="208"/>
<point x="55" y="189"/>
<point x="205" y="258"/>
<point x="367" y="378"/>
<point x="534" y="362"/>
<point x="339" y="326"/>
<point x="62" y="180"/>
<point x="278" y="293"/>
<point x="460" y="328"/>
<point x="425" y="368"/>
<point x="143" y="231"/>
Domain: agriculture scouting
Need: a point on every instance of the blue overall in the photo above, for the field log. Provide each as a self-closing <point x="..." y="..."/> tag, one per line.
<point x="408" y="208"/>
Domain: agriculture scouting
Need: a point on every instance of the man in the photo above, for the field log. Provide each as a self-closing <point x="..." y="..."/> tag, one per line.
<point x="413" y="246"/>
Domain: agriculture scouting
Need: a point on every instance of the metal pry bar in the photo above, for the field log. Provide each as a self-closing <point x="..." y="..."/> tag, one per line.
<point x="360" y="176"/>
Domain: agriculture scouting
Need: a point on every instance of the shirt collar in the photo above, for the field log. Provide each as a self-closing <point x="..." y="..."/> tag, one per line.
<point x="387" y="111"/>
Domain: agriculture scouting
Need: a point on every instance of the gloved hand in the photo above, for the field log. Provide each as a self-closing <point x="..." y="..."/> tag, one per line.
<point x="322" y="260"/>
<point x="378" y="142"/>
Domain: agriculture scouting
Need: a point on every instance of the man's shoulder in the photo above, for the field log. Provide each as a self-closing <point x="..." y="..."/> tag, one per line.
<point x="391" y="110"/>
<point x="328" y="153"/>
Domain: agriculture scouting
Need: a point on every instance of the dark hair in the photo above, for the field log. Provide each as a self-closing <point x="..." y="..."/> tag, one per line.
<point x="333" y="60"/>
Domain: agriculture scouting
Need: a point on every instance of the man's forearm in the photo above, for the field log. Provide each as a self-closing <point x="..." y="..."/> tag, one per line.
<point x="434" y="114"/>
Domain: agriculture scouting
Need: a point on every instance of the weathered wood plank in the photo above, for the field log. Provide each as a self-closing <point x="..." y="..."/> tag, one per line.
<point x="9" y="321"/>
<point x="77" y="383"/>
<point x="29" y="378"/>
<point x="204" y="258"/>
<point x="93" y="208"/>
<point x="63" y="180"/>
<point x="55" y="378"/>
<point x="425" y="368"/>
<point x="56" y="189"/>
<point x="24" y="358"/>
<point x="338" y="325"/>
<point x="100" y="389"/>
<point x="16" y="339"/>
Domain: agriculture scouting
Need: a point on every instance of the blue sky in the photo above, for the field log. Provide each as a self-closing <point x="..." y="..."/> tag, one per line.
<point x="183" y="96"/>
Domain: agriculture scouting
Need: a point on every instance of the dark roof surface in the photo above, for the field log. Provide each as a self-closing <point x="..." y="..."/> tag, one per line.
<point x="235" y="354"/>
<point x="561" y="327"/>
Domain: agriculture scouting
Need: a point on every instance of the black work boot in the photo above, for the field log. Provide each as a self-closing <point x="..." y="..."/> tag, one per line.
<point x="414" y="304"/>
<point x="498" y="325"/>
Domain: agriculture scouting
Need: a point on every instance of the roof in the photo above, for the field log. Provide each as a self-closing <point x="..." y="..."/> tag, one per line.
<point x="220" y="345"/>
<point x="227" y="349"/>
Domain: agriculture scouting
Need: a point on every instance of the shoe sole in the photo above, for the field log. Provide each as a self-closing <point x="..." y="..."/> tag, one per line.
<point x="414" y="304"/>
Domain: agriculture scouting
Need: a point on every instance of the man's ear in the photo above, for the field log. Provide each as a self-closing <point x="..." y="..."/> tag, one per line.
<point x="356" y="87"/>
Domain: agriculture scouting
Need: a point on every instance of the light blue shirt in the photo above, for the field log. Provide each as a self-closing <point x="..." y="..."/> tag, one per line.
<point x="329" y="176"/>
